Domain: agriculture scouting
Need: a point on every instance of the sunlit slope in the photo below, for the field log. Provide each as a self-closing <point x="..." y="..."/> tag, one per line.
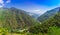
<point x="13" y="18"/>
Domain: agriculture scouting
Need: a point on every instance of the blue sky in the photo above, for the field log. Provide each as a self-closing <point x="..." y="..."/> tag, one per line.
<point x="33" y="6"/>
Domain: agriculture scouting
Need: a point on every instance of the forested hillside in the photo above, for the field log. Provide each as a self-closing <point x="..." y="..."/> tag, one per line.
<point x="48" y="14"/>
<point x="13" y="19"/>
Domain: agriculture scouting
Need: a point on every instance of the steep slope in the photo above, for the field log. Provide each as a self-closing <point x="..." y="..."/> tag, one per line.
<point x="48" y="14"/>
<point x="13" y="18"/>
<point x="53" y="21"/>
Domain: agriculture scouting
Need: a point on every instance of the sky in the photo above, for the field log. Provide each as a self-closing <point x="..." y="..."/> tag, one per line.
<point x="33" y="6"/>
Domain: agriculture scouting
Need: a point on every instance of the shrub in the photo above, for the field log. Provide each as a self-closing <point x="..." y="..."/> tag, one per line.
<point x="3" y="31"/>
<point x="54" y="31"/>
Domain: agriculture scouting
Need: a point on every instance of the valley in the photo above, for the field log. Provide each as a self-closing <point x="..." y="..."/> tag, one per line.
<point x="15" y="21"/>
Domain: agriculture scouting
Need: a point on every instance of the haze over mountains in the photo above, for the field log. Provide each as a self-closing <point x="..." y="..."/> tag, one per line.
<point x="33" y="15"/>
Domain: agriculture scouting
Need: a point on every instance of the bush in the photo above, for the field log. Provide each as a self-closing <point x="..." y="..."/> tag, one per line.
<point x="54" y="31"/>
<point x="3" y="31"/>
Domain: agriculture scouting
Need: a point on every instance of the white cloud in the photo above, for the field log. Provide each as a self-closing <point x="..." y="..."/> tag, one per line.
<point x="1" y="6"/>
<point x="3" y="3"/>
<point x="8" y="1"/>
<point x="37" y="10"/>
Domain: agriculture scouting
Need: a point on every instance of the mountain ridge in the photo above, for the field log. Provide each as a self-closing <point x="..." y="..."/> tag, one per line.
<point x="13" y="18"/>
<point x="48" y="14"/>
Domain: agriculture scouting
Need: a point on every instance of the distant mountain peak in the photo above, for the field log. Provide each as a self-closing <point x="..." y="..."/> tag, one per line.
<point x="59" y="8"/>
<point x="13" y="8"/>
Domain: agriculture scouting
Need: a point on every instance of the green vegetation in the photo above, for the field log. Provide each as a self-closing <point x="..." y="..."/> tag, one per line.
<point x="3" y="31"/>
<point x="48" y="14"/>
<point x="17" y="22"/>
<point x="14" y="19"/>
<point x="54" y="31"/>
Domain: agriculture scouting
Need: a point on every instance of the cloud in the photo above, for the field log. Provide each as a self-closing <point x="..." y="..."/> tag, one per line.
<point x="8" y="1"/>
<point x="37" y="10"/>
<point x="3" y="3"/>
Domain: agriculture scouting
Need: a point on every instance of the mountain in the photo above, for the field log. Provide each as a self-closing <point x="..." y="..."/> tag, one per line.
<point x="13" y="18"/>
<point x="53" y="21"/>
<point x="48" y="14"/>
<point x="33" y="15"/>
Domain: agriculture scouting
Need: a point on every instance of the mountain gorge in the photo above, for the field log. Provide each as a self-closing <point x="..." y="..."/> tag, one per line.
<point x="20" y="22"/>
